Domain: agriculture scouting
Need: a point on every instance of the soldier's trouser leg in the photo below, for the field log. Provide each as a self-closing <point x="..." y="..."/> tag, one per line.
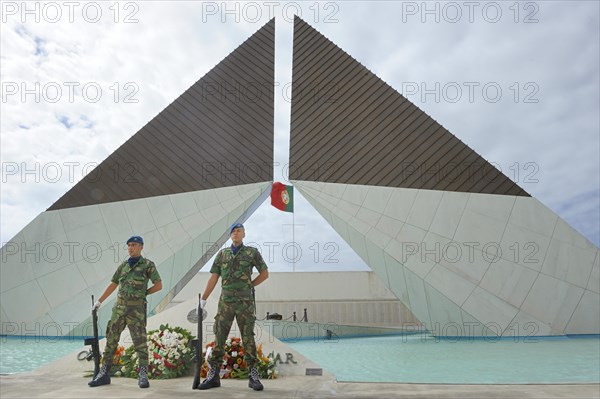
<point x="136" y="321"/>
<point x="223" y="321"/>
<point x="244" y="314"/>
<point x="115" y="327"/>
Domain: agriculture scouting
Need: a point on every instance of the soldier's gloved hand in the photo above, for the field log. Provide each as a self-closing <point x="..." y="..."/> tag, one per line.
<point x="96" y="305"/>
<point x="202" y="303"/>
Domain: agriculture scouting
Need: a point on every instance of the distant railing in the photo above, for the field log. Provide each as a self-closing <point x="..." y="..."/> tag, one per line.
<point x="277" y="316"/>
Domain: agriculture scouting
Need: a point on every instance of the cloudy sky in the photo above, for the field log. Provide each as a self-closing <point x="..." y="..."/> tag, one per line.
<point x="517" y="82"/>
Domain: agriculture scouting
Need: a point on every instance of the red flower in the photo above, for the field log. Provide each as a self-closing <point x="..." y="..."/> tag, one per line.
<point x="169" y="365"/>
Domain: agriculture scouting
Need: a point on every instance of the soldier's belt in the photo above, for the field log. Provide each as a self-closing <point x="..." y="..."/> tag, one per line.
<point x="123" y="302"/>
<point x="242" y="293"/>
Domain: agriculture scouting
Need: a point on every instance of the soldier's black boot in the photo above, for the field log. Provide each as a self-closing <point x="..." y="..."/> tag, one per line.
<point x="212" y="379"/>
<point x="102" y="378"/>
<point x="253" y="381"/>
<point x="143" y="377"/>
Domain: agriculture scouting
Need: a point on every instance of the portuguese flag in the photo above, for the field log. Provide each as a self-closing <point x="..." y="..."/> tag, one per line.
<point x="282" y="197"/>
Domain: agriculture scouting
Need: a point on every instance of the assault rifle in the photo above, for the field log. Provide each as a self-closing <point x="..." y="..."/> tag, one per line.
<point x="197" y="343"/>
<point x="93" y="342"/>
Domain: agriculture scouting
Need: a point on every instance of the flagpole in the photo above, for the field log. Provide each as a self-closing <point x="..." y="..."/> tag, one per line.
<point x="283" y="200"/>
<point x="294" y="241"/>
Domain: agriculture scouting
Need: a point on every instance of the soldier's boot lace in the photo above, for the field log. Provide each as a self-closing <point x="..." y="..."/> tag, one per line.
<point x="102" y="378"/>
<point x="253" y="381"/>
<point x="143" y="377"/>
<point x="212" y="379"/>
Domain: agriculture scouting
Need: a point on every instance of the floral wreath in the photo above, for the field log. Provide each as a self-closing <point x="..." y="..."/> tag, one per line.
<point x="169" y="355"/>
<point x="234" y="365"/>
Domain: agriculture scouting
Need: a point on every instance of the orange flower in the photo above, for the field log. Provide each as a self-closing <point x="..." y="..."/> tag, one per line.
<point x="118" y="353"/>
<point x="204" y="370"/>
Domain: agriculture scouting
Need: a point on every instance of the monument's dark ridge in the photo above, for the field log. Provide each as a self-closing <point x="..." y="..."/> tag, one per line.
<point x="349" y="126"/>
<point x="218" y="133"/>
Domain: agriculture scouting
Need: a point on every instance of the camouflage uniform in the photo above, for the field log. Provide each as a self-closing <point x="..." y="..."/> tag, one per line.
<point x="130" y="308"/>
<point x="237" y="300"/>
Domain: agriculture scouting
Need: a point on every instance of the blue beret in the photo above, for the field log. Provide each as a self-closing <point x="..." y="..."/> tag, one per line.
<point x="137" y="239"/>
<point x="235" y="226"/>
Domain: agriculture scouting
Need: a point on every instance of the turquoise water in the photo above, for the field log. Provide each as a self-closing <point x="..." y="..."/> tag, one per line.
<point x="407" y="358"/>
<point x="18" y="354"/>
<point x="425" y="359"/>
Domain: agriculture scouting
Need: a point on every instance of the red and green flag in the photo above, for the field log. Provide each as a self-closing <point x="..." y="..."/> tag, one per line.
<point x="282" y="197"/>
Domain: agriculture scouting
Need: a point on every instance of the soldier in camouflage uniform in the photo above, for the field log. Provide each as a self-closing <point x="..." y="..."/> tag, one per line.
<point x="130" y="309"/>
<point x="234" y="266"/>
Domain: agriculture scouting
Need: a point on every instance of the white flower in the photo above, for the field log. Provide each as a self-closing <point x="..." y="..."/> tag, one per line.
<point x="234" y="353"/>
